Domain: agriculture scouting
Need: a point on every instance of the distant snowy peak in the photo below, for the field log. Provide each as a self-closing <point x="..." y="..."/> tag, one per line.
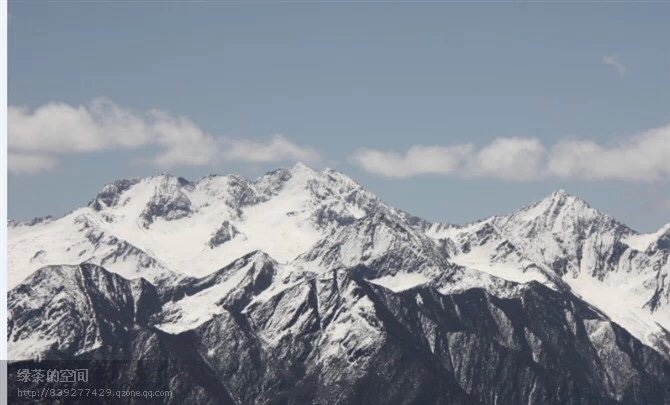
<point x="110" y="195"/>
<point x="334" y="197"/>
<point x="198" y="227"/>
<point x="558" y="213"/>
<point x="161" y="196"/>
<point x="202" y="242"/>
<point x="169" y="201"/>
<point x="232" y="190"/>
<point x="564" y="233"/>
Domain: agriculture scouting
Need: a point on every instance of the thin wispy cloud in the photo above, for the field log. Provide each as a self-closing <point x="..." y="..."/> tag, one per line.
<point x="31" y="163"/>
<point x="615" y="64"/>
<point x="277" y="147"/>
<point x="40" y="137"/>
<point x="640" y="158"/>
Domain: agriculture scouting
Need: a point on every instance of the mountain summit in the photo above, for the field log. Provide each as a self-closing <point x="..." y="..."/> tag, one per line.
<point x="300" y="280"/>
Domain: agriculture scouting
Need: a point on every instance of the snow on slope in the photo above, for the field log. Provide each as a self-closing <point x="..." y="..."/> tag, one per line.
<point x="641" y="242"/>
<point x="165" y="227"/>
<point x="282" y="213"/>
<point x="201" y="300"/>
<point x="401" y="281"/>
<point x="99" y="300"/>
<point x="480" y="260"/>
<point x="77" y="238"/>
<point x="554" y="230"/>
<point x="183" y="244"/>
<point x="386" y="245"/>
<point x="561" y="241"/>
<point x="623" y="305"/>
<point x="480" y="246"/>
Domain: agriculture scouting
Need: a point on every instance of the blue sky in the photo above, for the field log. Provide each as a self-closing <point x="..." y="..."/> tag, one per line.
<point x="451" y="111"/>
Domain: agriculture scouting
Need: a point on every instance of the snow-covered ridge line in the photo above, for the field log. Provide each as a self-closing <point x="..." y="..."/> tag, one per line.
<point x="311" y="222"/>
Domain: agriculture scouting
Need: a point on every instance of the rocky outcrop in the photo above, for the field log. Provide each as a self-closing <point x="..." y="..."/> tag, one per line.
<point x="341" y="339"/>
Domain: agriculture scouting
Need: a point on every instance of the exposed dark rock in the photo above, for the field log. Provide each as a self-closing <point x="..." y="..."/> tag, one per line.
<point x="226" y="232"/>
<point x="339" y="339"/>
<point x="110" y="195"/>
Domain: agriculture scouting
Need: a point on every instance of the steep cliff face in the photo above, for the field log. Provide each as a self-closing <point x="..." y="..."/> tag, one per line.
<point x="341" y="339"/>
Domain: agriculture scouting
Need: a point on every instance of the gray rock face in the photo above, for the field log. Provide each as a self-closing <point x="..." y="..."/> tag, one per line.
<point x="339" y="339"/>
<point x="379" y="239"/>
<point x="225" y="233"/>
<point x="169" y="201"/>
<point x="75" y="308"/>
<point x="663" y="242"/>
<point x="110" y="195"/>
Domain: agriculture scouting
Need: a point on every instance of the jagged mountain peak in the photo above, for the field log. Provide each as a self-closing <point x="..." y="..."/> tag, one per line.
<point x="557" y="201"/>
<point x="111" y="194"/>
<point x="561" y="193"/>
<point x="301" y="167"/>
<point x="196" y="301"/>
<point x="58" y="273"/>
<point x="298" y="176"/>
<point x="212" y="179"/>
<point x="563" y="199"/>
<point x="284" y="212"/>
<point x="168" y="201"/>
<point x="344" y="276"/>
<point x="560" y="212"/>
<point x="258" y="257"/>
<point x="233" y="190"/>
<point x="562" y="219"/>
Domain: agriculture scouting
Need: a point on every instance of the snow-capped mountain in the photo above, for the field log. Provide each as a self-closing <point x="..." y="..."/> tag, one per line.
<point x="562" y="241"/>
<point x="191" y="229"/>
<point x="301" y="286"/>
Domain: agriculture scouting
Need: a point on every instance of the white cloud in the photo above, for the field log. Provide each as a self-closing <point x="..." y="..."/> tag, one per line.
<point x="278" y="147"/>
<point x="418" y="160"/>
<point x="514" y="159"/>
<point x="642" y="157"/>
<point x="59" y="128"/>
<point x="185" y="144"/>
<point x="614" y="62"/>
<point x="39" y="137"/>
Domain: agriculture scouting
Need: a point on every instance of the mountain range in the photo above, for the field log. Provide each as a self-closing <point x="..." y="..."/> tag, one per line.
<point x="303" y="287"/>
